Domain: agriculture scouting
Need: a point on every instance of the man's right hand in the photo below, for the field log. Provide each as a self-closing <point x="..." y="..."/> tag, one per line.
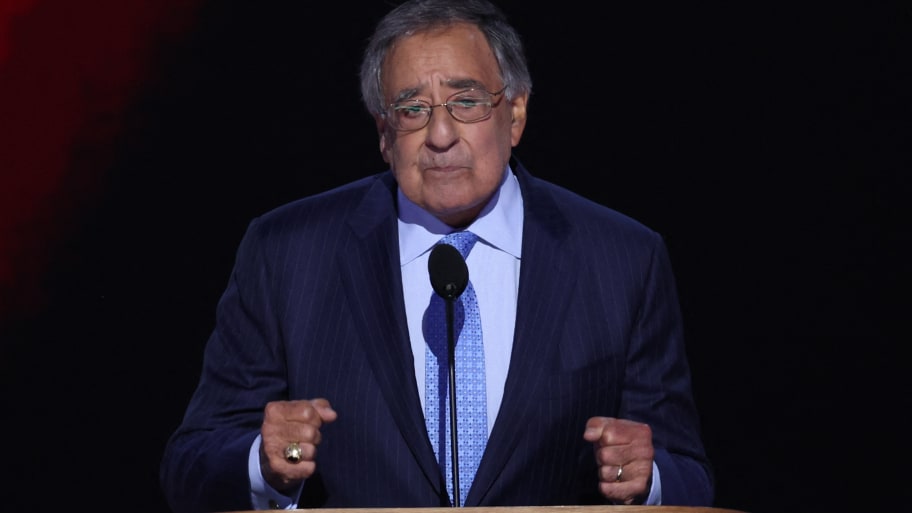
<point x="287" y="422"/>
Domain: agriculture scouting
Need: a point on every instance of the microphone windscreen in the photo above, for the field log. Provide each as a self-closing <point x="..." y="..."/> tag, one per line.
<point x="448" y="271"/>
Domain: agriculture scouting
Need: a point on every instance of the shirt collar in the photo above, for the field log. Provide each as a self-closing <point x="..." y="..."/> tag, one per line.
<point x="498" y="225"/>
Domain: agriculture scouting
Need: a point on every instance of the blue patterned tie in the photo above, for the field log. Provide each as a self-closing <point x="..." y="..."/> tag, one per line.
<point x="471" y="400"/>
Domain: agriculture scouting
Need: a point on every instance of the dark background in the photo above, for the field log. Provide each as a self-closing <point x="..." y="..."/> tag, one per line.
<point x="768" y="143"/>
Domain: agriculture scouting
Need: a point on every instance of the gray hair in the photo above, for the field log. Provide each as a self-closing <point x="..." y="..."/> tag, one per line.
<point x="413" y="16"/>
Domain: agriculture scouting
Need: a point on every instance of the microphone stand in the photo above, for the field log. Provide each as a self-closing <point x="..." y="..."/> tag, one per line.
<point x="449" y="278"/>
<point x="451" y="362"/>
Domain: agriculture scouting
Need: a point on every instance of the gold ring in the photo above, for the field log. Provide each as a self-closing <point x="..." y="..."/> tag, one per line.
<point x="617" y="478"/>
<point x="293" y="453"/>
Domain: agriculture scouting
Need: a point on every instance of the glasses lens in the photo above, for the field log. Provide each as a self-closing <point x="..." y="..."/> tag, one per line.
<point x="410" y="115"/>
<point x="469" y="106"/>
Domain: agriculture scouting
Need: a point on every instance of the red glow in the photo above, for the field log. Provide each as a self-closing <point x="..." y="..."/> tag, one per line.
<point x="68" y="71"/>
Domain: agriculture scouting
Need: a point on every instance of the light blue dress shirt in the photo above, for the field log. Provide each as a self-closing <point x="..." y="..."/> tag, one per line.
<point x="493" y="269"/>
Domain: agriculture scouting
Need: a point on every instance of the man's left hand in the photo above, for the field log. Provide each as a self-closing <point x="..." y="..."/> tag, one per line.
<point x="624" y="453"/>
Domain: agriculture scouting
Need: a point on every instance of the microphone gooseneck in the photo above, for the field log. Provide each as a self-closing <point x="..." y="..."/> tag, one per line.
<point x="449" y="278"/>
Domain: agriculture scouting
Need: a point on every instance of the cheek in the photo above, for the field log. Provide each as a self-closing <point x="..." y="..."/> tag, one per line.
<point x="402" y="150"/>
<point x="401" y="158"/>
<point x="498" y="145"/>
<point x="388" y="144"/>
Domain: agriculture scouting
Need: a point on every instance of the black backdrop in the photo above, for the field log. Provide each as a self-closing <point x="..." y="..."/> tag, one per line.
<point x="768" y="143"/>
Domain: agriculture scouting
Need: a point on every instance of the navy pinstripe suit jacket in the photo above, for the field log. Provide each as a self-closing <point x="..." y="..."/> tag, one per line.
<point x="314" y="308"/>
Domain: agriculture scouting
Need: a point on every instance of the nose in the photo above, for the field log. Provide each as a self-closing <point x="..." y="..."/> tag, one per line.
<point x="442" y="130"/>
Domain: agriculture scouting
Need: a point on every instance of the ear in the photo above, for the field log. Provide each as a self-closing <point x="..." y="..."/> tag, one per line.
<point x="385" y="143"/>
<point x="518" y="106"/>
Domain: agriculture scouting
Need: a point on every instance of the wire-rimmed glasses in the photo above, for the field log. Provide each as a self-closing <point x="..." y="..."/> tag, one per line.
<point x="468" y="106"/>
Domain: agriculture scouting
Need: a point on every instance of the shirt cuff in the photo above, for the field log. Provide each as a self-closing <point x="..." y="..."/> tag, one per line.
<point x="263" y="496"/>
<point x="655" y="492"/>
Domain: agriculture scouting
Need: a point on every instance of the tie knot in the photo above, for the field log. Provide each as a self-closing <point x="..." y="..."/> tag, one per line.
<point x="462" y="241"/>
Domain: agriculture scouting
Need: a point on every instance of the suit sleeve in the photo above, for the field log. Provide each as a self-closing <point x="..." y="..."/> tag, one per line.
<point x="204" y="467"/>
<point x="657" y="387"/>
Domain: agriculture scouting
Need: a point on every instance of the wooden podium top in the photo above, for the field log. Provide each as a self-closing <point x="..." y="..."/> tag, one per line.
<point x="533" y="509"/>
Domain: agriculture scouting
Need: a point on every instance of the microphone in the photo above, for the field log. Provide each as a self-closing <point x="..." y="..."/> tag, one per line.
<point x="449" y="274"/>
<point x="449" y="278"/>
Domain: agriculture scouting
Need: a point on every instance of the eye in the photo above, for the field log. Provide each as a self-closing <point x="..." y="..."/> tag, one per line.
<point x="467" y="102"/>
<point x="410" y="109"/>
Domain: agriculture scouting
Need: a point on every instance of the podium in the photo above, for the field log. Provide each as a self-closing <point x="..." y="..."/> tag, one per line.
<point x="529" y="509"/>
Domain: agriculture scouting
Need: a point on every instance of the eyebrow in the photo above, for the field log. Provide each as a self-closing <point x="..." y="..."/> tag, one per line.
<point x="459" y="84"/>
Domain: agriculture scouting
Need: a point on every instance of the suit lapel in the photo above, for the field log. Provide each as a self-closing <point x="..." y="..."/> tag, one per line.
<point x="546" y="283"/>
<point x="372" y="279"/>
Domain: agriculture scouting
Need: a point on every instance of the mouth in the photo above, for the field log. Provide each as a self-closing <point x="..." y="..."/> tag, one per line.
<point x="443" y="168"/>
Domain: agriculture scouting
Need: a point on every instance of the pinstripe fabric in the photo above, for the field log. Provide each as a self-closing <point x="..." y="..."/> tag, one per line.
<point x="314" y="308"/>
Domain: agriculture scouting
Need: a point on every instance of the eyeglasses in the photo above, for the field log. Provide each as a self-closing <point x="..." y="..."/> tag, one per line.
<point x="469" y="106"/>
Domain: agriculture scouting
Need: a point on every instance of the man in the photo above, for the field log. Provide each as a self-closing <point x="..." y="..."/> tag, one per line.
<point x="320" y="385"/>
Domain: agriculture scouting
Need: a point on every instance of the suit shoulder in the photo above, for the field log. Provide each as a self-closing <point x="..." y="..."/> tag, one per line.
<point x="324" y="211"/>
<point x="339" y="197"/>
<point x="586" y="215"/>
